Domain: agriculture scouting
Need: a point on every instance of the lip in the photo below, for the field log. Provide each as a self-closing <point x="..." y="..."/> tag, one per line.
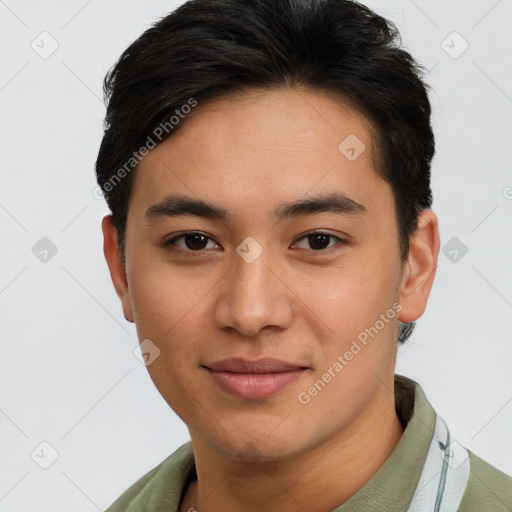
<point x="254" y="380"/>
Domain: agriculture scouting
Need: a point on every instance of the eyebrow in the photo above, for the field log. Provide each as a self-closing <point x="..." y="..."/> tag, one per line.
<point x="176" y="205"/>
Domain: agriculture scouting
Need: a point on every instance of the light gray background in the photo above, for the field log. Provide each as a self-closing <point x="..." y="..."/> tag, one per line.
<point x="68" y="373"/>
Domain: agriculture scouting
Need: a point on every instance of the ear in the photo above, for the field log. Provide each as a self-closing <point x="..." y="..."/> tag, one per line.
<point x="117" y="272"/>
<point x="420" y="267"/>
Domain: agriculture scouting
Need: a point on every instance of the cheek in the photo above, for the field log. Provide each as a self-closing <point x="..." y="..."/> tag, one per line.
<point x="161" y="295"/>
<point x="168" y="313"/>
<point x="360" y="346"/>
<point x="351" y="294"/>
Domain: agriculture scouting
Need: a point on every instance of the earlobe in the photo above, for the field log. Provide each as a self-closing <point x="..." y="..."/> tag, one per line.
<point x="117" y="272"/>
<point x="419" y="271"/>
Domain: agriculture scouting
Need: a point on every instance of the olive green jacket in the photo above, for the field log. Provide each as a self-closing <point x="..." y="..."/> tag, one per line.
<point x="426" y="472"/>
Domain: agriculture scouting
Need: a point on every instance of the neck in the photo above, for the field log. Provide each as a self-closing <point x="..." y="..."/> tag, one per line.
<point x="320" y="479"/>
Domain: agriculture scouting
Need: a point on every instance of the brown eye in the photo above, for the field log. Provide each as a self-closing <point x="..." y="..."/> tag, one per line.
<point x="195" y="242"/>
<point x="320" y="241"/>
<point x="191" y="242"/>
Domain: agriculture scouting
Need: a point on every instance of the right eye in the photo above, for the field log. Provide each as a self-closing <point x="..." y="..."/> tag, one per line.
<point x="190" y="242"/>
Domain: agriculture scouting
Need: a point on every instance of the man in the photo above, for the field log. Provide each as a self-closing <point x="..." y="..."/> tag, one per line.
<point x="267" y="164"/>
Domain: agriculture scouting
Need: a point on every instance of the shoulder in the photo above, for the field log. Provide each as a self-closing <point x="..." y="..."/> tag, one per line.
<point x="488" y="488"/>
<point x="161" y="487"/>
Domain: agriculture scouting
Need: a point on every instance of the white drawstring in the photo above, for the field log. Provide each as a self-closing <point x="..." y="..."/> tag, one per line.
<point x="444" y="476"/>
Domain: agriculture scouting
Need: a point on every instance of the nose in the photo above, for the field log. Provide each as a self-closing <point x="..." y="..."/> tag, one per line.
<point x="254" y="295"/>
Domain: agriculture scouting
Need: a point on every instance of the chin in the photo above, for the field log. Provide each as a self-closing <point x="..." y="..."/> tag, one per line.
<point x="265" y="450"/>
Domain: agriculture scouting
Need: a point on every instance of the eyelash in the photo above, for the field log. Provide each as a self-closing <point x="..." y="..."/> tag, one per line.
<point x="170" y="242"/>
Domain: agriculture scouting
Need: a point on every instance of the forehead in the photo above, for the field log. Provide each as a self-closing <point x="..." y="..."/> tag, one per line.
<point x="248" y="148"/>
<point x="287" y="118"/>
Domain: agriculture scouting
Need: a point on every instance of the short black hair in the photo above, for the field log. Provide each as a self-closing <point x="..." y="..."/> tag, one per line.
<point x="208" y="48"/>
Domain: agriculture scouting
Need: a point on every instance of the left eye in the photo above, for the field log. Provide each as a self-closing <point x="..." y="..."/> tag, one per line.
<point x="319" y="241"/>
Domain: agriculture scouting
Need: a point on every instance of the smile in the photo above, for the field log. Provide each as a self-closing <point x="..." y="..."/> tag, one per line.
<point x="254" y="380"/>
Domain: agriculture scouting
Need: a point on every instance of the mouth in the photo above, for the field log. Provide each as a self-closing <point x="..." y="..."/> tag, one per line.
<point x="254" y="380"/>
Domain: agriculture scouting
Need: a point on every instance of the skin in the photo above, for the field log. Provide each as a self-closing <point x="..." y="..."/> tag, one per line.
<point x="250" y="154"/>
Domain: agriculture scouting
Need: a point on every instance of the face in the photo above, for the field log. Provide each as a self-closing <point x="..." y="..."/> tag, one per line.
<point x="276" y="324"/>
